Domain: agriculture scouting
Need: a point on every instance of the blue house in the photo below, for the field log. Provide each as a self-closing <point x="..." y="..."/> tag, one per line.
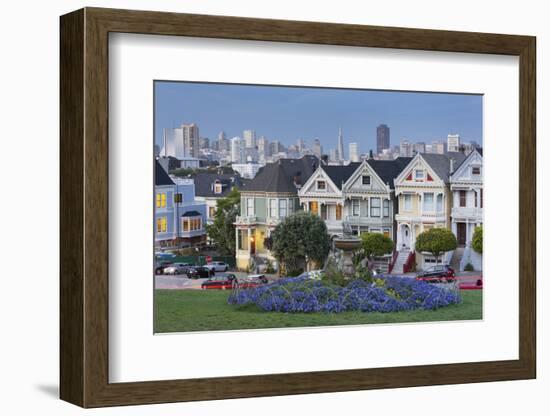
<point x="180" y="220"/>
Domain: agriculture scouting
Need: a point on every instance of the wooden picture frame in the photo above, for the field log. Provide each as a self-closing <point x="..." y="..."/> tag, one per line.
<point x="84" y="207"/>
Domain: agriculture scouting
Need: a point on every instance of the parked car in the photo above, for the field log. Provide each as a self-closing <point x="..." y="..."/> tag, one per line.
<point x="471" y="284"/>
<point x="177" y="268"/>
<point x="257" y="277"/>
<point x="199" y="272"/>
<point x="313" y="274"/>
<point x="160" y="266"/>
<point x="437" y="274"/>
<point x="218" y="266"/>
<point x="220" y="282"/>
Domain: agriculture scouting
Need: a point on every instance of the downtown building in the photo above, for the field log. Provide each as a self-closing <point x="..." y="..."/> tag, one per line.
<point x="382" y="138"/>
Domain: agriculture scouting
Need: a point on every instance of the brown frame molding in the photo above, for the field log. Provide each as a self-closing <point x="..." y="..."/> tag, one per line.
<point x="84" y="207"/>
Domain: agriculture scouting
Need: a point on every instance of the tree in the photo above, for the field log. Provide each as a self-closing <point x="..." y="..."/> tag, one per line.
<point x="436" y="241"/>
<point x="477" y="240"/>
<point x="376" y="245"/>
<point x="222" y="230"/>
<point x="301" y="237"/>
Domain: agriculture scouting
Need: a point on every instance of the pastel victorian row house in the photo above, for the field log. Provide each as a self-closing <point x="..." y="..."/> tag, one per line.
<point x="358" y="197"/>
<point x="179" y="218"/>
<point x="467" y="209"/>
<point x="265" y="201"/>
<point x="425" y="201"/>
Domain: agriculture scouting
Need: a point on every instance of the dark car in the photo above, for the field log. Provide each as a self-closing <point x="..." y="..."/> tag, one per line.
<point x="437" y="274"/>
<point x="160" y="266"/>
<point x="220" y="282"/>
<point x="199" y="272"/>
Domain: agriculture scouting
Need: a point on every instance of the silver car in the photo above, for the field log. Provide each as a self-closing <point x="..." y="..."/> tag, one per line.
<point x="177" y="268"/>
<point x="217" y="266"/>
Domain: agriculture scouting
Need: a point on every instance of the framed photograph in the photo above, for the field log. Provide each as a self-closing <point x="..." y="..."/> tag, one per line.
<point x="254" y="207"/>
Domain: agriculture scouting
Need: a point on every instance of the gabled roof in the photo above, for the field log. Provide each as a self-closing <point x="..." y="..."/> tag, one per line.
<point x="161" y="177"/>
<point x="388" y="170"/>
<point x="441" y="164"/>
<point x="339" y="174"/>
<point x="278" y="177"/>
<point x="466" y="160"/>
<point x="204" y="183"/>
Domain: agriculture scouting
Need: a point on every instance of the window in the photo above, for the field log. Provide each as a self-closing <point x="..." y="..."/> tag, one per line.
<point x="375" y="207"/>
<point x="475" y="199"/>
<point x="273" y="208"/>
<point x="407" y="202"/>
<point x="282" y="208"/>
<point x="366" y="179"/>
<point x="324" y="211"/>
<point x="481" y="198"/>
<point x="314" y="207"/>
<point x="386" y="207"/>
<point x="211" y="212"/>
<point x="439" y="203"/>
<point x="178" y="198"/>
<point x="338" y="212"/>
<point x="387" y="232"/>
<point x="161" y="225"/>
<point x="428" y="202"/>
<point x="290" y="207"/>
<point x="161" y="200"/>
<point x="218" y="188"/>
<point x="462" y="198"/>
<point x="191" y="223"/>
<point x="476" y="170"/>
<point x="321" y="185"/>
<point x="250" y="207"/>
<point x="243" y="239"/>
<point x="355" y="207"/>
<point x="419" y="175"/>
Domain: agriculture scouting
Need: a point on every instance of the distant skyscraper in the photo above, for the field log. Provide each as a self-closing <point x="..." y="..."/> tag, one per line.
<point x="317" y="148"/>
<point x="190" y="139"/>
<point x="263" y="149"/>
<point x="223" y="143"/>
<point x="333" y="155"/>
<point x="300" y="145"/>
<point x="353" y="152"/>
<point x="419" y="147"/>
<point x="453" y="143"/>
<point x="340" y="149"/>
<point x="275" y="147"/>
<point x="249" y="137"/>
<point x="237" y="150"/>
<point x="405" y="148"/>
<point x="181" y="141"/>
<point x="204" y="143"/>
<point x="382" y="138"/>
<point x="438" y="147"/>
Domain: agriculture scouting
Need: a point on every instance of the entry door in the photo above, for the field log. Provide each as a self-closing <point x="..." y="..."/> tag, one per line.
<point x="461" y="233"/>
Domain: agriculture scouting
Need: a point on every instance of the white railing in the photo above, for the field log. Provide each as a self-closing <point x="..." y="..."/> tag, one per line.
<point x="463" y="212"/>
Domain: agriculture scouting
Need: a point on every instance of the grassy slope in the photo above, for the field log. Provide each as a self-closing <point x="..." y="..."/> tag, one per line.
<point x="196" y="310"/>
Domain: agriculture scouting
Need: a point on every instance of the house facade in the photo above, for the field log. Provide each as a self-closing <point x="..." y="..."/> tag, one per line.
<point x="179" y="218"/>
<point x="265" y="201"/>
<point x="424" y="199"/>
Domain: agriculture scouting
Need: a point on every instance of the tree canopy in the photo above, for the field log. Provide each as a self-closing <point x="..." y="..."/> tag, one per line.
<point x="477" y="240"/>
<point x="299" y="238"/>
<point x="376" y="245"/>
<point x="436" y="241"/>
<point x="222" y="231"/>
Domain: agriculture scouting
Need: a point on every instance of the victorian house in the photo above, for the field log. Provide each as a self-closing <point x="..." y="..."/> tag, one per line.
<point x="424" y="200"/>
<point x="179" y="217"/>
<point x="467" y="209"/>
<point x="265" y="201"/>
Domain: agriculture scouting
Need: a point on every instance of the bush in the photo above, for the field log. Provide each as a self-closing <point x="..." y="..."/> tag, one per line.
<point x="469" y="267"/>
<point x="477" y="240"/>
<point x="383" y="294"/>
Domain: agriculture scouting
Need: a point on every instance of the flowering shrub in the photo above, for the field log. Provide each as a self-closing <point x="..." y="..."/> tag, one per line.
<point x="385" y="294"/>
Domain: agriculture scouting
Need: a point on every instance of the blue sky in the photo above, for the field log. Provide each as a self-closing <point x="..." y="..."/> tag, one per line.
<point x="289" y="113"/>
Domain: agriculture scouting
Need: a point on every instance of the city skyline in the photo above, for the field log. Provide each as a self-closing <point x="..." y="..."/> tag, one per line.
<point x="287" y="114"/>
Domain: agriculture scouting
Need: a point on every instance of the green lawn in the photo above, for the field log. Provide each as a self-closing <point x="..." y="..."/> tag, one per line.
<point x="208" y="310"/>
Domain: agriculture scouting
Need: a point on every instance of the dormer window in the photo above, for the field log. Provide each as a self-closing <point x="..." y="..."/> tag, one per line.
<point x="217" y="188"/>
<point x="321" y="185"/>
<point x="476" y="170"/>
<point x="366" y="179"/>
<point x="419" y="175"/>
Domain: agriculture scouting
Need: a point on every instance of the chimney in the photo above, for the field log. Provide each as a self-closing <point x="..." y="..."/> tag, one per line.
<point x="451" y="165"/>
<point x="298" y="179"/>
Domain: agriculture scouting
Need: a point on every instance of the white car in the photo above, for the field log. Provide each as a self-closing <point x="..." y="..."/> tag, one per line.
<point x="313" y="274"/>
<point x="217" y="266"/>
<point x="177" y="268"/>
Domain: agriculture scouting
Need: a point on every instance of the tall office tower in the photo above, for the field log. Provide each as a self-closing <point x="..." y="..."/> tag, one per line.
<point x="237" y="150"/>
<point x="249" y="137"/>
<point x="340" y="149"/>
<point x="354" y="152"/>
<point x="300" y="145"/>
<point x="223" y="143"/>
<point x="263" y="149"/>
<point x="419" y="147"/>
<point x="453" y="143"/>
<point x="275" y="147"/>
<point x="190" y="140"/>
<point x="204" y="143"/>
<point x="333" y="155"/>
<point x="438" y="147"/>
<point x="405" y="148"/>
<point x="317" y="148"/>
<point x="382" y="138"/>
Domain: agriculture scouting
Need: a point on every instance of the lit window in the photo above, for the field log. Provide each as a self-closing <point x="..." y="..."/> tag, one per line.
<point x="428" y="202"/>
<point x="161" y="225"/>
<point x="191" y="223"/>
<point x="161" y="200"/>
<point x="386" y="206"/>
<point x="386" y="232"/>
<point x="313" y="207"/>
<point x="321" y="185"/>
<point x="375" y="207"/>
<point x="419" y="175"/>
<point x="211" y="211"/>
<point x="338" y="212"/>
<point x="217" y="188"/>
<point x="366" y="180"/>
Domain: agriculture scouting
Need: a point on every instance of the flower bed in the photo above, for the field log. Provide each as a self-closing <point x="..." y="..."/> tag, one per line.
<point x="386" y="294"/>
